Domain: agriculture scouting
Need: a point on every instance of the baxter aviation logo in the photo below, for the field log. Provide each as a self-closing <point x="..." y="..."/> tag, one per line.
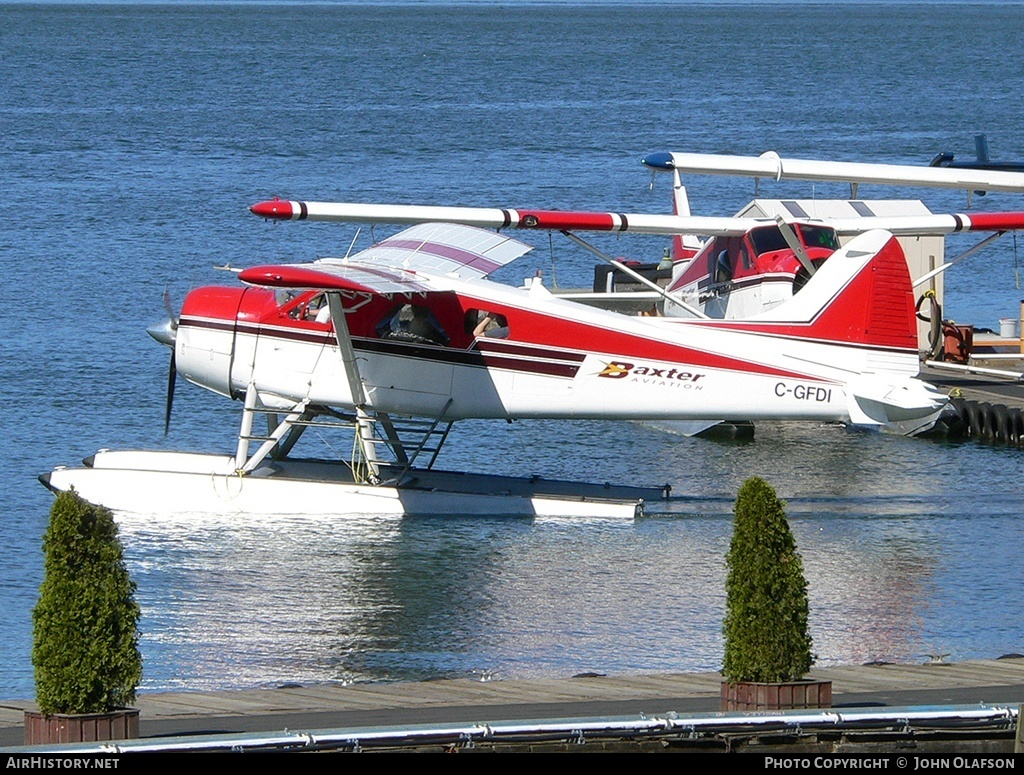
<point x="666" y="375"/>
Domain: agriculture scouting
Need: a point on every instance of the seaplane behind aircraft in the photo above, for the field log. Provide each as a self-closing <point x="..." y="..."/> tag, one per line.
<point x="407" y="337"/>
<point x="735" y="276"/>
<point x="981" y="160"/>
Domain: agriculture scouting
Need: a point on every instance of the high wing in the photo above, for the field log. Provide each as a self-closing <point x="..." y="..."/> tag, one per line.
<point x="767" y="166"/>
<point x="642" y="223"/>
<point x="500" y="218"/>
<point x="408" y="262"/>
<point x="772" y="166"/>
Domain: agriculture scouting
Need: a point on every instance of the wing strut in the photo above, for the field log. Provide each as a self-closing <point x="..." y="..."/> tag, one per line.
<point x="365" y="438"/>
<point x="366" y="422"/>
<point x="794" y="244"/>
<point x="636" y="275"/>
<point x="348" y="353"/>
<point x="969" y="252"/>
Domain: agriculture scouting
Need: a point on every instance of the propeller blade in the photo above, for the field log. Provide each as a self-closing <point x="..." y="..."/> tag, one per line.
<point x="172" y="378"/>
<point x="170" y="307"/>
<point x="165" y="333"/>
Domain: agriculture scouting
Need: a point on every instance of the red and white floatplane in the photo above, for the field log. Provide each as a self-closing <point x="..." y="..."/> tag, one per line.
<point x="398" y="342"/>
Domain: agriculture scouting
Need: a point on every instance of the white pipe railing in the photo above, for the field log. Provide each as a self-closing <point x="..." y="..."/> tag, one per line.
<point x="670" y="725"/>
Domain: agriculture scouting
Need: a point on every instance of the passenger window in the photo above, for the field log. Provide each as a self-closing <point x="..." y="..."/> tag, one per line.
<point x="412" y="323"/>
<point x="480" y="322"/>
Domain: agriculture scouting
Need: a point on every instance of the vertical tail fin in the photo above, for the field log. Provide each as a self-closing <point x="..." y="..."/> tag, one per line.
<point x="876" y="307"/>
<point x="862" y="298"/>
<point x="861" y="295"/>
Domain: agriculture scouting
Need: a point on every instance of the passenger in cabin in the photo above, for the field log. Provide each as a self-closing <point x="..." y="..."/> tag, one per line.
<point x="491" y="325"/>
<point x="412" y="322"/>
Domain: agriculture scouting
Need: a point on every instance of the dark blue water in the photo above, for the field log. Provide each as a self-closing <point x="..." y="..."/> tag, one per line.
<point x="134" y="137"/>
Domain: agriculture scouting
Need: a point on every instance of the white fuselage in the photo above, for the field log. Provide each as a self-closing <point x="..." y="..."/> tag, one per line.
<point x="564" y="360"/>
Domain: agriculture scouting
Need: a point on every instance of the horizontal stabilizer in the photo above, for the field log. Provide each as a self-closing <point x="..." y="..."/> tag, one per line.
<point x="884" y="400"/>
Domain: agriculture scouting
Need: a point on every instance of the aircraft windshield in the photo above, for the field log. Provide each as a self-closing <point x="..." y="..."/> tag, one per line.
<point x="769" y="238"/>
<point x="818" y="237"/>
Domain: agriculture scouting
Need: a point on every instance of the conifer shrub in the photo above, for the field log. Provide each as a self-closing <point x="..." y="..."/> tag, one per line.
<point x="766" y="630"/>
<point x="85" y="625"/>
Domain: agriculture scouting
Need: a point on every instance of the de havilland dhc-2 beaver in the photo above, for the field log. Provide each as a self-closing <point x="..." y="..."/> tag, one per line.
<point x="399" y="341"/>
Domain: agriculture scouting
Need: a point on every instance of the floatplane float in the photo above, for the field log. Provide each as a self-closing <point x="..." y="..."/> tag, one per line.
<point x="396" y="343"/>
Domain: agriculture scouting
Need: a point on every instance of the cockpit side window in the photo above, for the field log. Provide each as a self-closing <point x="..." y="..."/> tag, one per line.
<point x="723" y="267"/>
<point x="714" y="251"/>
<point x="746" y="259"/>
<point x="317" y="309"/>
<point x="301" y="305"/>
<point x="727" y="256"/>
<point x="767" y="240"/>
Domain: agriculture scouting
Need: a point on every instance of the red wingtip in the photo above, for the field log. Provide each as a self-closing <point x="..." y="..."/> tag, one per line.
<point x="275" y="208"/>
<point x="996" y="221"/>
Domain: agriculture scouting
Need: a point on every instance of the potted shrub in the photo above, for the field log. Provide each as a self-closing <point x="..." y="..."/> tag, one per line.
<point x="767" y="642"/>
<point x="85" y="631"/>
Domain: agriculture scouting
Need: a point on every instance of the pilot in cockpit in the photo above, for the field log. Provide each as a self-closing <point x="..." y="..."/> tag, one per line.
<point x="318" y="310"/>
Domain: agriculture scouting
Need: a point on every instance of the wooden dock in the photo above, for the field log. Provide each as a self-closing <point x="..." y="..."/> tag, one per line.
<point x="197" y="715"/>
<point x="987" y="391"/>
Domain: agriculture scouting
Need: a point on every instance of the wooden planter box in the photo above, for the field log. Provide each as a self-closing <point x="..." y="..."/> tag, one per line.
<point x="749" y="695"/>
<point x="121" y="724"/>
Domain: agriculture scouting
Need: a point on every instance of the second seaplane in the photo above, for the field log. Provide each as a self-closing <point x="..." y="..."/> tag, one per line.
<point x="401" y="340"/>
